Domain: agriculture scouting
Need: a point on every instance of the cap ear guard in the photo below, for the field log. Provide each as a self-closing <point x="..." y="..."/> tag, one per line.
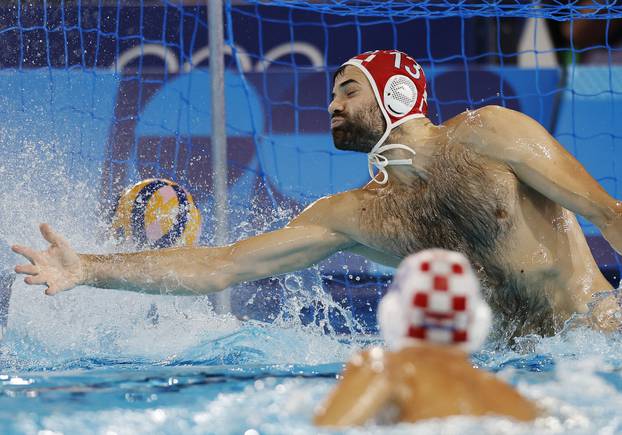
<point x="400" y="96"/>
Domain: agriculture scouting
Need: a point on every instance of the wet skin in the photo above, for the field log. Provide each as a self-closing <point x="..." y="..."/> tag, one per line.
<point x="518" y="228"/>
<point x="418" y="383"/>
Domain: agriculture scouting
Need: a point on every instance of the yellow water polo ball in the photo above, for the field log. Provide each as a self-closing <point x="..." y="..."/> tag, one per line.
<point x="157" y="213"/>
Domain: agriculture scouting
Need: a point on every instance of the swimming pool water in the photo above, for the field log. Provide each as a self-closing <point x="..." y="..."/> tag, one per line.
<point x="88" y="362"/>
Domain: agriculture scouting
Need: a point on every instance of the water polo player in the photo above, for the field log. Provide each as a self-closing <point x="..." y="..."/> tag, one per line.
<point x="491" y="183"/>
<point x="432" y="315"/>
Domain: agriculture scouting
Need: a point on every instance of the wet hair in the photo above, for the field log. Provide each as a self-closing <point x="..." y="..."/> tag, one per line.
<point x="339" y="72"/>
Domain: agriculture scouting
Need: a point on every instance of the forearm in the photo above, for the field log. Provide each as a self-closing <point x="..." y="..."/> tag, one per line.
<point x="190" y="270"/>
<point x="205" y="270"/>
<point x="171" y="271"/>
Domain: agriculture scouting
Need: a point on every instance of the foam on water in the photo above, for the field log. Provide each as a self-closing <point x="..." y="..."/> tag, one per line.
<point x="89" y="323"/>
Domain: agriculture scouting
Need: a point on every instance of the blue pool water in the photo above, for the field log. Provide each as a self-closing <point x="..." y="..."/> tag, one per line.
<point x="88" y="361"/>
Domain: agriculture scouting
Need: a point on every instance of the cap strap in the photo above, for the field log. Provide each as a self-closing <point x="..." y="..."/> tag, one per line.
<point x="375" y="158"/>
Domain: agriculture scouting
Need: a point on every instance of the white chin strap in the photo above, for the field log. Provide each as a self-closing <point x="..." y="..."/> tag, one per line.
<point x="376" y="159"/>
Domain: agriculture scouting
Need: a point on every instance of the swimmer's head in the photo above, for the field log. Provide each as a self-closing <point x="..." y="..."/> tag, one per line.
<point x="435" y="297"/>
<point x="373" y="93"/>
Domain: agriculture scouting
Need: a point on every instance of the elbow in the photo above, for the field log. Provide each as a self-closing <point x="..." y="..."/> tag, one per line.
<point x="214" y="274"/>
<point x="220" y="282"/>
<point x="321" y="420"/>
<point x="193" y="283"/>
<point x="202" y="284"/>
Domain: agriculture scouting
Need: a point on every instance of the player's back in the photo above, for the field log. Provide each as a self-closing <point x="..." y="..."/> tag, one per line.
<point x="432" y="381"/>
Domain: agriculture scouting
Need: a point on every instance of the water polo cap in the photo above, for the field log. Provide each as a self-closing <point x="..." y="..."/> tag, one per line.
<point x="399" y="85"/>
<point x="435" y="297"/>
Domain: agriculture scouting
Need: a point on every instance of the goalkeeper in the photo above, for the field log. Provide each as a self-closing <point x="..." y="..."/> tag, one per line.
<point x="490" y="183"/>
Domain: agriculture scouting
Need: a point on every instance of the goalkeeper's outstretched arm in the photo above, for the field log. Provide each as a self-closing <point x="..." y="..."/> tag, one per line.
<point x="312" y="236"/>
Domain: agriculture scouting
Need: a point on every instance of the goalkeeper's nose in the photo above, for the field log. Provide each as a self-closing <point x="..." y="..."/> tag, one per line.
<point x="335" y="107"/>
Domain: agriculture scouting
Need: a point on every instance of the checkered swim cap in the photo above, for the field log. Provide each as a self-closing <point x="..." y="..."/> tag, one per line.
<point x="435" y="297"/>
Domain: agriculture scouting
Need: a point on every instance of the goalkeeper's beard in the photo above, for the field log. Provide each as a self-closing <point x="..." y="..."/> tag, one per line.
<point x="361" y="131"/>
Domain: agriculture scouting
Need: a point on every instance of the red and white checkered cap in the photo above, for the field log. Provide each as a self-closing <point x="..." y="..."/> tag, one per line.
<point x="435" y="297"/>
<point x="398" y="83"/>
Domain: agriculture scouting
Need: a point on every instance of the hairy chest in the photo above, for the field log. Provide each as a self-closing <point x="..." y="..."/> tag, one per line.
<point x="470" y="206"/>
<point x="464" y="205"/>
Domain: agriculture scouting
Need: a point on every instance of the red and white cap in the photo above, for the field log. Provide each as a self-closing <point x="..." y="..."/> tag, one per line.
<point x="398" y="83"/>
<point x="399" y="86"/>
<point x="435" y="297"/>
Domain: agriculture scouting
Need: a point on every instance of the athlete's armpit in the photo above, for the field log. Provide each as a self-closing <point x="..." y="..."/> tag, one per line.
<point x="375" y="255"/>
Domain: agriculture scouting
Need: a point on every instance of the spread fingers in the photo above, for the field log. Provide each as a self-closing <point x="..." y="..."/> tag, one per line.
<point x="27" y="269"/>
<point x="51" y="236"/>
<point x="34" y="280"/>
<point x="29" y="253"/>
